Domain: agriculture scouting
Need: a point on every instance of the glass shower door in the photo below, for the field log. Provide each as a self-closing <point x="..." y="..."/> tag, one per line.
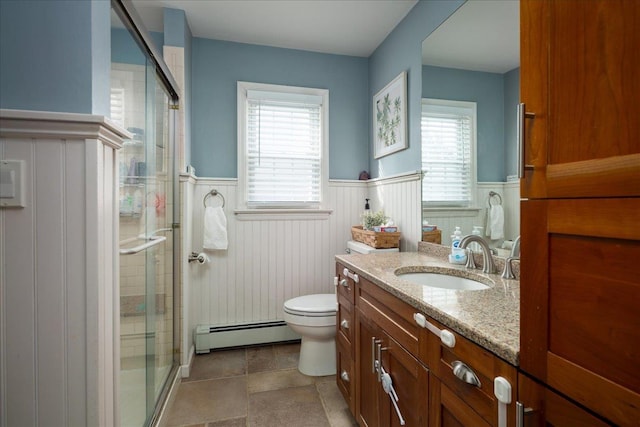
<point x="141" y="104"/>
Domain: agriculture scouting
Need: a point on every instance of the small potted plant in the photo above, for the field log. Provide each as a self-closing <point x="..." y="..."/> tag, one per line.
<point x="373" y="219"/>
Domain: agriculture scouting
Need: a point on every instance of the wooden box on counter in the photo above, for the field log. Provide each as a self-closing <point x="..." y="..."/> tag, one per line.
<point x="434" y="236"/>
<point x="378" y="240"/>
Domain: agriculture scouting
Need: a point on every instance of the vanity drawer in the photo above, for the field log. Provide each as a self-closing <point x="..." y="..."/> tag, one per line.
<point x="346" y="284"/>
<point x="345" y="371"/>
<point x="390" y="313"/>
<point x="483" y="364"/>
<point x="345" y="324"/>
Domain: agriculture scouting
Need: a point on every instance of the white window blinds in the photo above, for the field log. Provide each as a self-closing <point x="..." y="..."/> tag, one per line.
<point x="283" y="149"/>
<point x="448" y="146"/>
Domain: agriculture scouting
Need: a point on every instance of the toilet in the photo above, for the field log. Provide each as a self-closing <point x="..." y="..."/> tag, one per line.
<point x="313" y="317"/>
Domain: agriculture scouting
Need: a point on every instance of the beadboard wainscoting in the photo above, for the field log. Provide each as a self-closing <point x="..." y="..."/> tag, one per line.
<point x="447" y="219"/>
<point x="399" y="198"/>
<point x="59" y="276"/>
<point x="270" y="260"/>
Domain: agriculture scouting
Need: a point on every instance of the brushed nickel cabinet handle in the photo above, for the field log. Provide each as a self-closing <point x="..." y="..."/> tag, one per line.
<point x="344" y="324"/>
<point x="465" y="373"/>
<point x="520" y="135"/>
<point x="345" y="376"/>
<point x="521" y="414"/>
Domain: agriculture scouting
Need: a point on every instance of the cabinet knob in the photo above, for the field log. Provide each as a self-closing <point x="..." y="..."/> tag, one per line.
<point x="344" y="283"/>
<point x="345" y="376"/>
<point x="465" y="373"/>
<point x="344" y="324"/>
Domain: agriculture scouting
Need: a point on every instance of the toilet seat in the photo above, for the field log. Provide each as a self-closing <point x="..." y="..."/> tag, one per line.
<point x="318" y="305"/>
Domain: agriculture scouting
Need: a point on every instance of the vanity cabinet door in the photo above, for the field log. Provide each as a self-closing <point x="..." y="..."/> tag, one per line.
<point x="379" y="354"/>
<point x="410" y="380"/>
<point x="447" y="409"/>
<point x="579" y="76"/>
<point x="368" y="396"/>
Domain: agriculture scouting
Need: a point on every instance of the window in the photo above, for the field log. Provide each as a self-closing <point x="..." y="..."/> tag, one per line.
<point x="282" y="147"/>
<point x="448" y="153"/>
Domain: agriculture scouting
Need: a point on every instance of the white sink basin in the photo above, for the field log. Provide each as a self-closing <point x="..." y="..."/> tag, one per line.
<point x="444" y="281"/>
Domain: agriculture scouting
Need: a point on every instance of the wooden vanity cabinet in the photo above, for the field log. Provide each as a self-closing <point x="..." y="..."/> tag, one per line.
<point x="387" y="334"/>
<point x="580" y="292"/>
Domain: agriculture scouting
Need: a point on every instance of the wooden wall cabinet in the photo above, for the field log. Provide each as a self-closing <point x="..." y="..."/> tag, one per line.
<point x="579" y="76"/>
<point x="580" y="292"/>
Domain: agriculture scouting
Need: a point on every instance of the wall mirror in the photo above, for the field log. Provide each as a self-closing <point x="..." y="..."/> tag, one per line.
<point x="474" y="56"/>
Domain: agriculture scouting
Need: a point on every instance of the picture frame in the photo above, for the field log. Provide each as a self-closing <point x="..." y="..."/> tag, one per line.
<point x="390" y="117"/>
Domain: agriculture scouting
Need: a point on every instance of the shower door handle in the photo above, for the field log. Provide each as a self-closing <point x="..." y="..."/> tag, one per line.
<point x="150" y="242"/>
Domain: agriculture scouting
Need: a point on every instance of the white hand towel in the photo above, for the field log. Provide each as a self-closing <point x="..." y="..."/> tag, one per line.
<point x="215" y="228"/>
<point x="496" y="221"/>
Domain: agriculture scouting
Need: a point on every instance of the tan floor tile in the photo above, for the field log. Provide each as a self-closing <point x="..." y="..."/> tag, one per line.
<point x="236" y="422"/>
<point x="335" y="406"/>
<point x="209" y="400"/>
<point x="260" y="359"/>
<point x="287" y="355"/>
<point x="326" y="379"/>
<point x="296" y="406"/>
<point x="218" y="364"/>
<point x="276" y="380"/>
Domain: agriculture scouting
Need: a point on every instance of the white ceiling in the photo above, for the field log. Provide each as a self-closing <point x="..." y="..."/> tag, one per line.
<point x="482" y="35"/>
<point x="344" y="27"/>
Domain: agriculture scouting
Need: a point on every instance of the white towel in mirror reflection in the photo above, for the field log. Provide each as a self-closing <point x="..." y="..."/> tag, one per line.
<point x="495" y="222"/>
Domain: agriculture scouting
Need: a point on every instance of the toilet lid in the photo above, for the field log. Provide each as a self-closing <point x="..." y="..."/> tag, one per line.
<point x="312" y="305"/>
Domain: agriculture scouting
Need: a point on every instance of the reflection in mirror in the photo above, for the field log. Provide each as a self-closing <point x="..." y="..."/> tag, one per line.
<point x="473" y="57"/>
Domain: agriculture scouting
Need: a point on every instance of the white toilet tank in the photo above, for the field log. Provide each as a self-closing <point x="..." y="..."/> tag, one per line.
<point x="354" y="247"/>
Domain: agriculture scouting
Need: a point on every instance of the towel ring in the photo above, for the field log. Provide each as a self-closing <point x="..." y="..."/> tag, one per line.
<point x="212" y="193"/>
<point x="494" y="194"/>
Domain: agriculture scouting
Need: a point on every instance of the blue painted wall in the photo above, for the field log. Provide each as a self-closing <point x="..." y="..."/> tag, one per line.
<point x="125" y="50"/>
<point x="511" y="100"/>
<point x="218" y="65"/>
<point x="401" y="51"/>
<point x="487" y="91"/>
<point x="54" y="56"/>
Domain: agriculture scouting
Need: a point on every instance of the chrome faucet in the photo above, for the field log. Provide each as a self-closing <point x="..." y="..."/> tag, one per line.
<point x="488" y="264"/>
<point x="515" y="248"/>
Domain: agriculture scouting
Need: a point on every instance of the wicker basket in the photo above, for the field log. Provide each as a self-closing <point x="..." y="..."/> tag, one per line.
<point x="382" y="240"/>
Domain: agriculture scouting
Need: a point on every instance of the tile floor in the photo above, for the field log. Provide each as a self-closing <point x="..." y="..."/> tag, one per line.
<point x="256" y="387"/>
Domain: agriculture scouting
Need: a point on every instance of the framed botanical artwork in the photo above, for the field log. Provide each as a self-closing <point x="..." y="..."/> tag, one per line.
<point x="390" y="117"/>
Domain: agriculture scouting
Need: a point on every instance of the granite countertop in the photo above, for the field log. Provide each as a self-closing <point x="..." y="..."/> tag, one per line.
<point x="490" y="318"/>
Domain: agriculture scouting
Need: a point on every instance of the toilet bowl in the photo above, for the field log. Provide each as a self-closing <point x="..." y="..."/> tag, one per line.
<point x="313" y="317"/>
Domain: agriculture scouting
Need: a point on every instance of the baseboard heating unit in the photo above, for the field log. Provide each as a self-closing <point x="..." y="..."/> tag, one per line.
<point x="211" y="337"/>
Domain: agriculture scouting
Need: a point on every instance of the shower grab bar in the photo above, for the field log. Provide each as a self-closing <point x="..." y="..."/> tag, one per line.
<point x="150" y="241"/>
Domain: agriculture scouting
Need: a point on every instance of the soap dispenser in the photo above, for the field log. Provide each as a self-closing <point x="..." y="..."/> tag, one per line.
<point x="366" y="212"/>
<point x="458" y="255"/>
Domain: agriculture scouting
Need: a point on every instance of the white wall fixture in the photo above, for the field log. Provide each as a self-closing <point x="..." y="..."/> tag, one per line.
<point x="12" y="184"/>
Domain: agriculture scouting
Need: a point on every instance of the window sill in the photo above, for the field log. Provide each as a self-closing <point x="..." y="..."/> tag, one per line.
<point x="279" y="214"/>
<point x="453" y="211"/>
